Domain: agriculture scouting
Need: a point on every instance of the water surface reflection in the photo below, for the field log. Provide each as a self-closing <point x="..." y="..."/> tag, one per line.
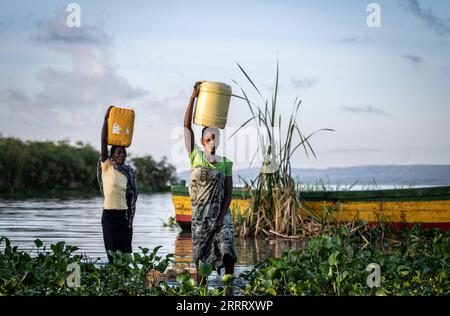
<point x="77" y="221"/>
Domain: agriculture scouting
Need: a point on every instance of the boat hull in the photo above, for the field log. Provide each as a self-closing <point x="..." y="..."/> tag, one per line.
<point x="397" y="207"/>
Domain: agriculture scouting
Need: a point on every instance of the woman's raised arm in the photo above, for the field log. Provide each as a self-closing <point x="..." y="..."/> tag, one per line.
<point x="188" y="132"/>
<point x="104" y="141"/>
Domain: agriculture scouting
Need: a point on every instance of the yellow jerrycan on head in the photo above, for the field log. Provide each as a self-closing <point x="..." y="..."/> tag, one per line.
<point x="120" y="127"/>
<point x="212" y="104"/>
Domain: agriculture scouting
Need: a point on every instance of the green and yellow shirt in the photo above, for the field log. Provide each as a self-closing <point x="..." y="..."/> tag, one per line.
<point x="197" y="158"/>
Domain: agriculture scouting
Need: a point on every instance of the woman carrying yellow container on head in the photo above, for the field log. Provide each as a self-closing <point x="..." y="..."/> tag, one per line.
<point x="210" y="184"/>
<point x="117" y="182"/>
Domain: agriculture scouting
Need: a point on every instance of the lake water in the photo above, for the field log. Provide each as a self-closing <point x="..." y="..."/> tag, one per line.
<point x="77" y="221"/>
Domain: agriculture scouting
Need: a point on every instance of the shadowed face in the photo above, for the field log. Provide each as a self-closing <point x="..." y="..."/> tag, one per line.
<point x="119" y="155"/>
<point x="211" y="140"/>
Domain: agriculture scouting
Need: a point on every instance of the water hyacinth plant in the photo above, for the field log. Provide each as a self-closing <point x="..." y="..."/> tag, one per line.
<point x="412" y="262"/>
<point x="44" y="271"/>
<point x="275" y="199"/>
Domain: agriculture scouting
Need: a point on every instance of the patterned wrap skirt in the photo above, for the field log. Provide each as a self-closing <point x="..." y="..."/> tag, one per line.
<point x="207" y="189"/>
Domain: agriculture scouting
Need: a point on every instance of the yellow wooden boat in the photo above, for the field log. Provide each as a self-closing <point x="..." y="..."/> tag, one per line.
<point x="429" y="206"/>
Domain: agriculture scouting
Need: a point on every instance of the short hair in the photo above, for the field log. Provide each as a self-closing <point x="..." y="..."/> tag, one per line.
<point x="113" y="149"/>
<point x="206" y="127"/>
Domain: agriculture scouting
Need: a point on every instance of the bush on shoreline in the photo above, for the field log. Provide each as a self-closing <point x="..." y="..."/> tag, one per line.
<point x="44" y="167"/>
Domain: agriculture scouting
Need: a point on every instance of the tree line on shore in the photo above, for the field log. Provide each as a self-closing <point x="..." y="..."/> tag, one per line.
<point x="46" y="166"/>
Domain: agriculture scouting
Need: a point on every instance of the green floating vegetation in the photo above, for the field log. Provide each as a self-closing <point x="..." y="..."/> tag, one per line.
<point x="337" y="262"/>
<point x="171" y="223"/>
<point x="411" y="262"/>
<point x="47" y="273"/>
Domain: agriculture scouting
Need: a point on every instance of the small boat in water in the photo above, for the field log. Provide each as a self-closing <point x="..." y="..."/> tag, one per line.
<point x="429" y="206"/>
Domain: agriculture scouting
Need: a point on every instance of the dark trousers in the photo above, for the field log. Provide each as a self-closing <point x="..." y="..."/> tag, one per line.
<point x="116" y="233"/>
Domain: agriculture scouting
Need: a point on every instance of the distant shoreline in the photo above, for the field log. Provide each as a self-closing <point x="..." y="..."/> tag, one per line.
<point x="368" y="175"/>
<point x="62" y="194"/>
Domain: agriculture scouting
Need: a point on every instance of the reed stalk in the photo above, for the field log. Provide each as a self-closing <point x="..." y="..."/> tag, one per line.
<point x="276" y="202"/>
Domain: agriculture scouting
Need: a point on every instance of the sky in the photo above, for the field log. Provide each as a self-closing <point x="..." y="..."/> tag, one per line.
<point x="384" y="90"/>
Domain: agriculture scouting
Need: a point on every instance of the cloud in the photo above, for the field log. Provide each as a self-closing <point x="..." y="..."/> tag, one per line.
<point x="439" y="25"/>
<point x="6" y="26"/>
<point x="16" y="95"/>
<point x="446" y="71"/>
<point x="56" y="33"/>
<point x="304" y="83"/>
<point x="93" y="78"/>
<point x="413" y="58"/>
<point x="365" y="110"/>
<point x="380" y="149"/>
<point x="349" y="40"/>
<point x="353" y="149"/>
<point x="70" y="102"/>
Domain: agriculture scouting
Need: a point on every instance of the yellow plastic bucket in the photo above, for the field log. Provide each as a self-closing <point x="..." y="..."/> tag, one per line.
<point x="120" y="126"/>
<point x="212" y="104"/>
